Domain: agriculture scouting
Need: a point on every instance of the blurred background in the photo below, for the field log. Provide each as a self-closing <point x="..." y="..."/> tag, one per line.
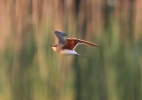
<point x="31" y="70"/>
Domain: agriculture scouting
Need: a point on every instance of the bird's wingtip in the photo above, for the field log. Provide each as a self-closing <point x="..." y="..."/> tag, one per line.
<point x="61" y="33"/>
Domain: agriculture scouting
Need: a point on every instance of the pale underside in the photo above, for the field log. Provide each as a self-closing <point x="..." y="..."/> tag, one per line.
<point x="65" y="51"/>
<point x="68" y="52"/>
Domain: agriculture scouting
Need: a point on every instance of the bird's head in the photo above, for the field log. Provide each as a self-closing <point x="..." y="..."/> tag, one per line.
<point x="54" y="47"/>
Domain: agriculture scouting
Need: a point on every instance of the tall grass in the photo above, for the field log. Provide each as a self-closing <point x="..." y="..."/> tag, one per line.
<point x="30" y="70"/>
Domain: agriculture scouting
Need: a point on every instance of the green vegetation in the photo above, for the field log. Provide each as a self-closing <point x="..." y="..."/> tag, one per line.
<point x="31" y="70"/>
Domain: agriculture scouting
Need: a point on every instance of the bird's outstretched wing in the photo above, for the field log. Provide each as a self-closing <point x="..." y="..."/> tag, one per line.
<point x="71" y="43"/>
<point x="60" y="36"/>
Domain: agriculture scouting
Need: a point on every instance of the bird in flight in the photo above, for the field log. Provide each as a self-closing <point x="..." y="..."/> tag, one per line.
<point x="67" y="46"/>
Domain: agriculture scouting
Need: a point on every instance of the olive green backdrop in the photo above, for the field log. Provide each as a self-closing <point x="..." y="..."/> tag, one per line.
<point x="31" y="70"/>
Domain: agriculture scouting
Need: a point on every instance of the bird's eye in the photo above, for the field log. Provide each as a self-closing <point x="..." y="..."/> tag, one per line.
<point x="54" y="45"/>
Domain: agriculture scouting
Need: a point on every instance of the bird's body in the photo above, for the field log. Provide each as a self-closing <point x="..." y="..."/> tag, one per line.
<point x="68" y="45"/>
